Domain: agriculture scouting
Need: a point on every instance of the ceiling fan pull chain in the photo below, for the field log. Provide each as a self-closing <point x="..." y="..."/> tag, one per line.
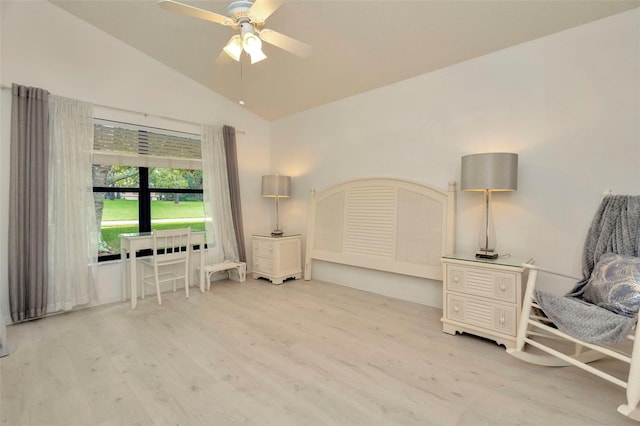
<point x="241" y="101"/>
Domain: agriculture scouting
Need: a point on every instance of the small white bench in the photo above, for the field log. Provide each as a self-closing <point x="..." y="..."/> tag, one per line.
<point x="241" y="267"/>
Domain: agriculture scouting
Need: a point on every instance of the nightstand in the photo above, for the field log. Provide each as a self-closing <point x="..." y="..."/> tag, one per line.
<point x="483" y="296"/>
<point x="277" y="258"/>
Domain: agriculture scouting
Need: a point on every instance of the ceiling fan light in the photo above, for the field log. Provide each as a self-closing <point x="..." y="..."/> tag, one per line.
<point x="253" y="46"/>
<point x="257" y="56"/>
<point x="251" y="42"/>
<point x="234" y="47"/>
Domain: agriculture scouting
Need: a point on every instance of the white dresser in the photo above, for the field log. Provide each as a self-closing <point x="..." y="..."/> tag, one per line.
<point x="482" y="296"/>
<point x="277" y="258"/>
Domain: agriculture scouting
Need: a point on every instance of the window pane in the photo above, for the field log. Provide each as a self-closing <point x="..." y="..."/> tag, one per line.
<point x="164" y="178"/>
<point x="116" y="213"/>
<point x="177" y="211"/>
<point x="105" y="175"/>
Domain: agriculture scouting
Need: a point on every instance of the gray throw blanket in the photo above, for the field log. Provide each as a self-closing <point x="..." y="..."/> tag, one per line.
<point x="615" y="229"/>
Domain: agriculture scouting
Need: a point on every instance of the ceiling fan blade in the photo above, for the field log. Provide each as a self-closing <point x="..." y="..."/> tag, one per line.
<point x="184" y="9"/>
<point x="262" y="9"/>
<point x="286" y="43"/>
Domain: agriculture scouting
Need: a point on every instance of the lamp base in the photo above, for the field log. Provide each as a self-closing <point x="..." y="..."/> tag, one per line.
<point x="486" y="254"/>
<point x="277" y="233"/>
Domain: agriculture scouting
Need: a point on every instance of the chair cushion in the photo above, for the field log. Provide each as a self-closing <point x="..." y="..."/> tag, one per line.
<point x="615" y="284"/>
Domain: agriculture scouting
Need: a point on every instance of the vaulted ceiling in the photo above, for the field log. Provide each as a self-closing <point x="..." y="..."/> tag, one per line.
<point x="357" y="45"/>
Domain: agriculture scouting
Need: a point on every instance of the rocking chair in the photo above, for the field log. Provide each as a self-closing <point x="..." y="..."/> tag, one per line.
<point x="598" y="317"/>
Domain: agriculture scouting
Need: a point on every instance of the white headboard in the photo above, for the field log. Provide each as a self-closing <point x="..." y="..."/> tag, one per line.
<point x="385" y="224"/>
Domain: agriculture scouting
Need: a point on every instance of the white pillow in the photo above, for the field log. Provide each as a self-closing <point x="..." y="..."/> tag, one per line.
<point x="615" y="284"/>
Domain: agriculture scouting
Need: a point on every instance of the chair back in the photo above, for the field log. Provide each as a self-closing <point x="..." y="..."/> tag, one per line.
<point x="171" y="244"/>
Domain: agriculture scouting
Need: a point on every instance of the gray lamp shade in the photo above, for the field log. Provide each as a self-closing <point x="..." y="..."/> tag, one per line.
<point x="495" y="171"/>
<point x="276" y="186"/>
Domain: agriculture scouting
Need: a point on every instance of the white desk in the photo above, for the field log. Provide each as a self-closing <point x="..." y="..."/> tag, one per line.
<point x="131" y="243"/>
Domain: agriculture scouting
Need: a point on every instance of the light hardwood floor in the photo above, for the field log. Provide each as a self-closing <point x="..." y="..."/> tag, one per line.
<point x="303" y="353"/>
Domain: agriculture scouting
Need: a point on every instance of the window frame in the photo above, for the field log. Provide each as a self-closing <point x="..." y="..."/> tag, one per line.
<point x="144" y="205"/>
<point x="144" y="162"/>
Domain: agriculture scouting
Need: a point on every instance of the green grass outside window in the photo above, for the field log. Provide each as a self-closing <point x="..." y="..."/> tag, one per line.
<point x="127" y="210"/>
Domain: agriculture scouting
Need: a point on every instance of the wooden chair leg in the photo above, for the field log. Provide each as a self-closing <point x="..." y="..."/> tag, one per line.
<point x="142" y="284"/>
<point x="155" y="270"/>
<point x="526" y="310"/>
<point x="630" y="409"/>
<point x="186" y="279"/>
<point x="175" y="278"/>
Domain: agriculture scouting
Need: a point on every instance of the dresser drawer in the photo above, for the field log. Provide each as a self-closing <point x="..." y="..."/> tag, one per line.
<point x="263" y="264"/>
<point x="263" y="248"/>
<point x="498" y="285"/>
<point x="482" y="313"/>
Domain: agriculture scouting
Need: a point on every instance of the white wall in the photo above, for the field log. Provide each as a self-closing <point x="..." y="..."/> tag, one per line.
<point x="44" y="46"/>
<point x="567" y="103"/>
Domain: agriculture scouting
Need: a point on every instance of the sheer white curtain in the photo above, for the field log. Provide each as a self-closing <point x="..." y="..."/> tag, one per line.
<point x="73" y="242"/>
<point x="5" y="347"/>
<point x="221" y="237"/>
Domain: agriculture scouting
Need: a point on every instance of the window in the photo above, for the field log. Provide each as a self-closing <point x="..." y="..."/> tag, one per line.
<point x="144" y="179"/>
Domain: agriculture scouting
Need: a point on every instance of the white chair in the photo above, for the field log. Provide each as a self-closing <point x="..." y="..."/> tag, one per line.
<point x="171" y="248"/>
<point x="584" y="326"/>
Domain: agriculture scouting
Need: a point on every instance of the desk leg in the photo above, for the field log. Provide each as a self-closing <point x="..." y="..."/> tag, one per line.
<point x="202" y="267"/>
<point x="123" y="273"/>
<point x="133" y="279"/>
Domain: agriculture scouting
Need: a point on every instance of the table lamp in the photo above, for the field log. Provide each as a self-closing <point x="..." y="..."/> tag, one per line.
<point x="495" y="171"/>
<point x="277" y="187"/>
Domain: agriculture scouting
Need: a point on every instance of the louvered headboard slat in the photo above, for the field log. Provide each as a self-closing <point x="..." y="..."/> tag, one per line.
<point x="386" y="224"/>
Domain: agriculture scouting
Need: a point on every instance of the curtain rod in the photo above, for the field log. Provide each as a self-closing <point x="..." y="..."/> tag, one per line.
<point x="242" y="132"/>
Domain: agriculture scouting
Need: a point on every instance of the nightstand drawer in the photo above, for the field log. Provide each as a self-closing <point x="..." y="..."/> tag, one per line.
<point x="497" y="285"/>
<point x="263" y="264"/>
<point x="482" y="313"/>
<point x="263" y="248"/>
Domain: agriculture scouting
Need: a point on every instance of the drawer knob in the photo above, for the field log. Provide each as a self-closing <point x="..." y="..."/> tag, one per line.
<point x="456" y="279"/>
<point x="456" y="308"/>
<point x="502" y="320"/>
<point x="503" y="287"/>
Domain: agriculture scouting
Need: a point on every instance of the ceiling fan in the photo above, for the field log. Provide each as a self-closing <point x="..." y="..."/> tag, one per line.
<point x="248" y="17"/>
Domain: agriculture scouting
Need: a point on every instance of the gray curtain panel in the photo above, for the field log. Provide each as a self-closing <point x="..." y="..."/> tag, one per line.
<point x="28" y="203"/>
<point x="229" y="135"/>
